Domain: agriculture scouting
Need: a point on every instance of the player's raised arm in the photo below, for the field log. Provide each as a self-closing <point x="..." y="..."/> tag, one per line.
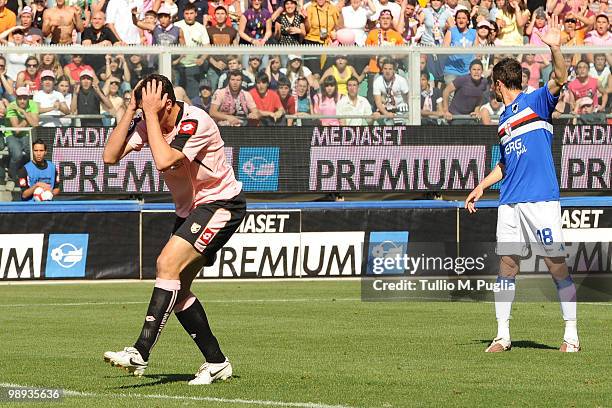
<point x="552" y="38"/>
<point x="116" y="146"/>
<point x="493" y="177"/>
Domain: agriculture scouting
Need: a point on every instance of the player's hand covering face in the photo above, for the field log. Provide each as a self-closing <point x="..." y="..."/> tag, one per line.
<point x="152" y="100"/>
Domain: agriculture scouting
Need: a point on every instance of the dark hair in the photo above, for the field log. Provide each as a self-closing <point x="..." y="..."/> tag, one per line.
<point x="220" y="8"/>
<point x="583" y="62"/>
<point x="330" y="80"/>
<point x="151" y="13"/>
<point x="425" y="74"/>
<point x="476" y="62"/>
<point x="190" y="7"/>
<point x="602" y="16"/>
<point x="509" y="72"/>
<point x="387" y="60"/>
<point x="284" y="81"/>
<point x="352" y="79"/>
<point x="262" y="78"/>
<point x="467" y="14"/>
<point x="234" y="73"/>
<point x="167" y="87"/>
<point x="411" y="2"/>
<point x="525" y="71"/>
<point x="39" y="141"/>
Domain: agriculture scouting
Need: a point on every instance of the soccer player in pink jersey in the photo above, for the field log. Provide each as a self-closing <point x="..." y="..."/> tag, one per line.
<point x="188" y="150"/>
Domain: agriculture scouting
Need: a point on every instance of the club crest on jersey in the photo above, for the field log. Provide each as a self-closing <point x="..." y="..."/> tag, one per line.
<point x="195" y="227"/>
<point x="188" y="127"/>
<point x="515" y="108"/>
<point x="206" y="236"/>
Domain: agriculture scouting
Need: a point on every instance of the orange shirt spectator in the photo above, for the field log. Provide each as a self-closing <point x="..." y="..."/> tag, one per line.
<point x="383" y="36"/>
<point x="321" y="21"/>
<point x="8" y="19"/>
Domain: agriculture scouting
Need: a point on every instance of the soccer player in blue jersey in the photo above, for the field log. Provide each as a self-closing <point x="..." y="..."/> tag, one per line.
<point x="529" y="214"/>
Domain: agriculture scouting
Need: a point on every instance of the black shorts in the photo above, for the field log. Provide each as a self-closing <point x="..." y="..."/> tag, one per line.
<point x="210" y="226"/>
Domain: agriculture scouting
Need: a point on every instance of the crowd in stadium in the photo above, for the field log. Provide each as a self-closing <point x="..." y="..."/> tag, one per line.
<point x="276" y="90"/>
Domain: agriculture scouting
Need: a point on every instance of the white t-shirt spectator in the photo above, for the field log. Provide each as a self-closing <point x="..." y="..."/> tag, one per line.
<point x="46" y="100"/>
<point x="361" y="107"/>
<point x="356" y="20"/>
<point x="119" y="13"/>
<point x="396" y="10"/>
<point x="195" y="36"/>
<point x="397" y="88"/>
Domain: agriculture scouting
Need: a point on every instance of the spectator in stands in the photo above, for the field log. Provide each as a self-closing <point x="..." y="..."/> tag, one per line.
<point x="204" y="98"/>
<point x="355" y="16"/>
<point x="98" y="34"/>
<point x="393" y="7"/>
<point x="150" y="18"/>
<point x="601" y="7"/>
<point x="490" y="109"/>
<point x="220" y="33"/>
<point x="2" y="147"/>
<point x="33" y="35"/>
<point x="267" y="101"/>
<point x="459" y="35"/>
<point x="138" y="69"/>
<point x="164" y="32"/>
<point x="354" y="104"/>
<point x="533" y="69"/>
<point x="494" y="33"/>
<point x="341" y="72"/>
<point x="390" y="92"/>
<point x="199" y="6"/>
<point x="287" y="100"/>
<point x="38" y="173"/>
<point x="51" y="103"/>
<point x="527" y="88"/>
<point x="189" y="68"/>
<point x="7" y="85"/>
<point x="8" y="19"/>
<point x="324" y="103"/>
<point x="75" y="67"/>
<point x="601" y="34"/>
<point x="587" y="86"/>
<point x="322" y="21"/>
<point x="252" y="70"/>
<point x="296" y="69"/>
<point x="451" y="8"/>
<point x="22" y="113"/>
<point x="585" y="18"/>
<point x="411" y="21"/>
<point x="431" y="101"/>
<point x="586" y="113"/>
<point x="255" y="25"/>
<point x="234" y="64"/>
<point x="273" y="70"/>
<point x="38" y="10"/>
<point x="119" y="20"/>
<point x="63" y="87"/>
<point x="538" y="27"/>
<point x="384" y="36"/>
<point x="31" y="76"/>
<point x="469" y="90"/>
<point x="60" y="21"/>
<point x="289" y="28"/>
<point x="601" y="70"/>
<point x="50" y="62"/>
<point x="303" y="102"/>
<point x="570" y="36"/>
<point x="511" y="21"/>
<point x="14" y="62"/>
<point x="434" y="23"/>
<point x="87" y="97"/>
<point x="233" y="106"/>
<point x="112" y="90"/>
<point x="116" y="67"/>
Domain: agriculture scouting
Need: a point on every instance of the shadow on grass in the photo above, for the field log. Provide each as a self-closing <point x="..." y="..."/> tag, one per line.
<point x="523" y="344"/>
<point x="159" y="379"/>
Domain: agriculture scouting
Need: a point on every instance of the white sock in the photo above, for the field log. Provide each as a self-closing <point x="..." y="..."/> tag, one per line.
<point x="503" y="307"/>
<point x="571" y="332"/>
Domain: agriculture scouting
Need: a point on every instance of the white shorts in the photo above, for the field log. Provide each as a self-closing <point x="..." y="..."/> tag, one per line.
<point x="525" y="226"/>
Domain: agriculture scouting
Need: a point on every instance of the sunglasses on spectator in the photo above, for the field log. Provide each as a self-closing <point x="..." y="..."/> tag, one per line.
<point x="23" y="97"/>
<point x="114" y="83"/>
<point x="570" y="20"/>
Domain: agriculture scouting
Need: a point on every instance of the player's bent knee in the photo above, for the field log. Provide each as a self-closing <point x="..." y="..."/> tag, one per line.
<point x="167" y="268"/>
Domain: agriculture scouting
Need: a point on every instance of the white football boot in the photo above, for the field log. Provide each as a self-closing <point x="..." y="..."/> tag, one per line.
<point x="210" y="372"/>
<point x="129" y="359"/>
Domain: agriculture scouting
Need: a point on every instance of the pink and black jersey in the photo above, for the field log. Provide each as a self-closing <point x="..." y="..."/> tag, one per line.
<point x="204" y="175"/>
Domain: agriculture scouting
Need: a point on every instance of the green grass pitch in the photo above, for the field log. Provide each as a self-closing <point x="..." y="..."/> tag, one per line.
<point x="301" y="344"/>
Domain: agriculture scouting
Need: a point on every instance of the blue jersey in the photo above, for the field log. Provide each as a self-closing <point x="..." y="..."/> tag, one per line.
<point x="525" y="132"/>
<point x="30" y="174"/>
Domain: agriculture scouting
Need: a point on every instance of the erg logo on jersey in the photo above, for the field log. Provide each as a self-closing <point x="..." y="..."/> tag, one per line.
<point x="188" y="127"/>
<point x="515" y="146"/>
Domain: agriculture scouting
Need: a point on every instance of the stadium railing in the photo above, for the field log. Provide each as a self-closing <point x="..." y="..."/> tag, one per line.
<point x="410" y="55"/>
